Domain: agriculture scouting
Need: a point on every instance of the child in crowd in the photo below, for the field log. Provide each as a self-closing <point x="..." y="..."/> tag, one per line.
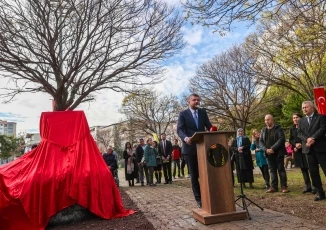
<point x="289" y="157"/>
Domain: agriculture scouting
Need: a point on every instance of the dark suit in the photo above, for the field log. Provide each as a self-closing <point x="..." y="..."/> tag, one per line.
<point x="300" y="159"/>
<point x="166" y="165"/>
<point x="186" y="128"/>
<point x="141" y="167"/>
<point x="316" y="154"/>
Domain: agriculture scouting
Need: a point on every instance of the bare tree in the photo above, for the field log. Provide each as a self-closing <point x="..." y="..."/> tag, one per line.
<point x="228" y="88"/>
<point x="222" y="14"/>
<point x="104" y="137"/>
<point x="150" y="112"/>
<point x="291" y="50"/>
<point x="72" y="49"/>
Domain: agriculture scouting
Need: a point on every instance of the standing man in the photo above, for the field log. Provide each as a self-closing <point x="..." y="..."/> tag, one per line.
<point x="190" y="121"/>
<point x="165" y="151"/>
<point x="272" y="142"/>
<point x="110" y="160"/>
<point x="311" y="131"/>
<point x="176" y="155"/>
<point x="141" y="167"/>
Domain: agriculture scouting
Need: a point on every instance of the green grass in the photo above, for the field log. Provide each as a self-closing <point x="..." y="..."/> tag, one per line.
<point x="294" y="180"/>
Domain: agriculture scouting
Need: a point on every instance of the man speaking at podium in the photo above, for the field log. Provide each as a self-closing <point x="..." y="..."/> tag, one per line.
<point x="191" y="120"/>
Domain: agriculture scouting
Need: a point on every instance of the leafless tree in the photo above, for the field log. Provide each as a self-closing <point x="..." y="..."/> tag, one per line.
<point x="104" y="137"/>
<point x="150" y="112"/>
<point x="227" y="86"/>
<point x="291" y="50"/>
<point x="75" y="48"/>
<point x="222" y="14"/>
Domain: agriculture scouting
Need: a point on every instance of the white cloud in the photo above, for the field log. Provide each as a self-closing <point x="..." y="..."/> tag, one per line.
<point x="192" y="35"/>
<point x="175" y="2"/>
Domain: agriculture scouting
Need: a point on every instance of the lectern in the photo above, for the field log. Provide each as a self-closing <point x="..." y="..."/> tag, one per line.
<point x="215" y="179"/>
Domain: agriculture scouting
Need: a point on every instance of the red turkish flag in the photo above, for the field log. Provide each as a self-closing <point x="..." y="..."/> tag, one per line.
<point x="319" y="93"/>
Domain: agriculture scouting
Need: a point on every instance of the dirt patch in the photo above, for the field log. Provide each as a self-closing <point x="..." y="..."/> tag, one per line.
<point x="135" y="221"/>
<point x="301" y="206"/>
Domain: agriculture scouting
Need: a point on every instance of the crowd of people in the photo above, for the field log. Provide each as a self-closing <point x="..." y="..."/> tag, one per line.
<point x="305" y="148"/>
<point x="146" y="162"/>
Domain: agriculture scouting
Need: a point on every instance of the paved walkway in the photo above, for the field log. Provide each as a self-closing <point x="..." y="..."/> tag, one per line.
<point x="176" y="213"/>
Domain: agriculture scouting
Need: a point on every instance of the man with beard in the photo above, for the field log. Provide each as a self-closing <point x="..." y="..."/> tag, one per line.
<point x="272" y="142"/>
<point x="191" y="120"/>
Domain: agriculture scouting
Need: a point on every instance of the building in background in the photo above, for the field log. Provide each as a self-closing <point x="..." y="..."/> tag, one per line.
<point x="30" y="140"/>
<point x="8" y="128"/>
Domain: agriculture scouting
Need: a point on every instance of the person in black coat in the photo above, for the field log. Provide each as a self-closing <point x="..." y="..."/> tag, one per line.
<point x="191" y="120"/>
<point x="243" y="160"/>
<point x="129" y="155"/>
<point x="272" y="142"/>
<point x="300" y="159"/>
<point x="142" y="168"/>
<point x="165" y="151"/>
<point x="311" y="131"/>
<point x="110" y="160"/>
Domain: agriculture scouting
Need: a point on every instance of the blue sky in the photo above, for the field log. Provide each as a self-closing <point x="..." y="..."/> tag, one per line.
<point x="202" y="45"/>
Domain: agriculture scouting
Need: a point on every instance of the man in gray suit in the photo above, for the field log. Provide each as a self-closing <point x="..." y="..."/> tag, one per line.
<point x="192" y="120"/>
<point x="311" y="131"/>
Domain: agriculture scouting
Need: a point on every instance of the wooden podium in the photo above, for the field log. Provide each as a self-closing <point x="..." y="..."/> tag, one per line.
<point x="215" y="179"/>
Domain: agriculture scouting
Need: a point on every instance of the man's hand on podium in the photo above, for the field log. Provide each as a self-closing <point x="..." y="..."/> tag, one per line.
<point x="188" y="140"/>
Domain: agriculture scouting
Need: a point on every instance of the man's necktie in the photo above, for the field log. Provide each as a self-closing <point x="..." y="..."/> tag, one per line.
<point x="164" y="148"/>
<point x="196" y="117"/>
<point x="309" y="119"/>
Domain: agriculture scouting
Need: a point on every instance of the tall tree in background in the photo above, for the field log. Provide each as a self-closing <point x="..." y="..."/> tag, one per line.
<point x="228" y="88"/>
<point x="11" y="146"/>
<point x="104" y="136"/>
<point x="72" y="49"/>
<point x="291" y="50"/>
<point x="151" y="112"/>
<point x="223" y="14"/>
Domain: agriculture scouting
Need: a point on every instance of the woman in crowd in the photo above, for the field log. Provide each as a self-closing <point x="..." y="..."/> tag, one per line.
<point x="261" y="160"/>
<point x="244" y="165"/>
<point x="300" y="159"/>
<point x="150" y="154"/>
<point x="129" y="156"/>
<point x="158" y="168"/>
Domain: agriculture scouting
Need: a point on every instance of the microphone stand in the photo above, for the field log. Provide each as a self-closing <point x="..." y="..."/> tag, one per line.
<point x="245" y="201"/>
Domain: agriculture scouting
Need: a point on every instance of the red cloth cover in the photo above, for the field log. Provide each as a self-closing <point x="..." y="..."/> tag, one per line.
<point x="66" y="168"/>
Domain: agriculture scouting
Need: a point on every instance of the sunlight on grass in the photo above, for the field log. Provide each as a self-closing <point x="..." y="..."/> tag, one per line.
<point x="294" y="180"/>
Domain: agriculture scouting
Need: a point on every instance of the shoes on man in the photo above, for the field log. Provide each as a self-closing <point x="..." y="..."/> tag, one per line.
<point x="199" y="204"/>
<point x="319" y="197"/>
<point x="166" y="182"/>
<point x="285" y="189"/>
<point x="170" y="182"/>
<point x="307" y="190"/>
<point x="313" y="191"/>
<point x="272" y="190"/>
<point x="142" y="184"/>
